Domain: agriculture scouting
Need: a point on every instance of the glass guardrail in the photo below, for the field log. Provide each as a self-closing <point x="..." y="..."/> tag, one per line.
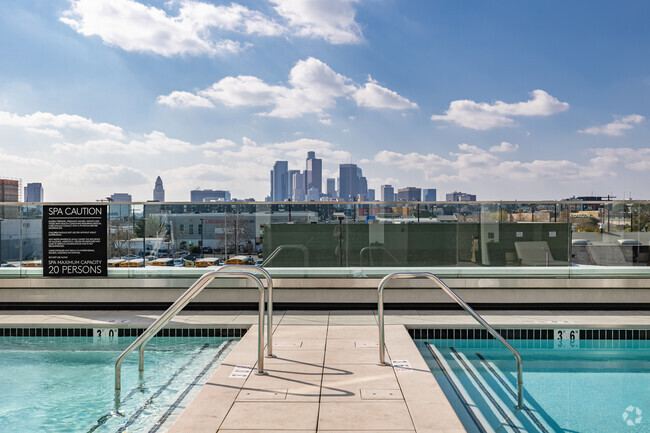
<point x="357" y="239"/>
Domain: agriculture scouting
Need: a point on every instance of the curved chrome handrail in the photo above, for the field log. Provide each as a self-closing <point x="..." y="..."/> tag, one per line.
<point x="305" y="253"/>
<point x="467" y="308"/>
<point x="269" y="310"/>
<point x="177" y="306"/>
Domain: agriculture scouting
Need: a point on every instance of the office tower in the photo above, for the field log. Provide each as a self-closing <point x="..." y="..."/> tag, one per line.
<point x="429" y="194"/>
<point x="313" y="172"/>
<point x="387" y="193"/>
<point x="8" y="190"/>
<point x="371" y="195"/>
<point x="298" y="181"/>
<point x="280" y="181"/>
<point x="119" y="211"/>
<point x="312" y="195"/>
<point x="292" y="185"/>
<point x="158" y="190"/>
<point x="207" y="195"/>
<point x="460" y="196"/>
<point x="363" y="184"/>
<point x="33" y="193"/>
<point x="331" y="187"/>
<point x="349" y="182"/>
<point x="410" y="193"/>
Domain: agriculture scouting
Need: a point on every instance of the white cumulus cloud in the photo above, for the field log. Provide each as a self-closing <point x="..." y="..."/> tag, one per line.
<point x="615" y="128"/>
<point x="313" y="87"/>
<point x="331" y="20"/>
<point x="134" y="26"/>
<point x="484" y="116"/>
<point x="503" y="147"/>
<point x="184" y="99"/>
<point x="53" y="124"/>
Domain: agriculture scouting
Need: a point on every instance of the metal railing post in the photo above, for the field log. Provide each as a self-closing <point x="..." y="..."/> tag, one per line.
<point x="177" y="306"/>
<point x="380" y="310"/>
<point x="269" y="310"/>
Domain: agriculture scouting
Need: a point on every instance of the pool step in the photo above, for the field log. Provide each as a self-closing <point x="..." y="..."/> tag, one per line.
<point x="481" y="424"/>
<point x="533" y="415"/>
<point x="489" y="392"/>
<point x="509" y="421"/>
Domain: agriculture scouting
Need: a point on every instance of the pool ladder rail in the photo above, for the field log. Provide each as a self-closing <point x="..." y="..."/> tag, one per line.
<point x="185" y="299"/>
<point x="380" y="307"/>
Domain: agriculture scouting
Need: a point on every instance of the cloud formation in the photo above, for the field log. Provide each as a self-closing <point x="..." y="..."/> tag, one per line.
<point x="54" y="124"/>
<point x="484" y="116"/>
<point x="105" y="159"/>
<point x="331" y="20"/>
<point x="615" y="128"/>
<point x="474" y="164"/>
<point x="313" y="87"/>
<point x="198" y="28"/>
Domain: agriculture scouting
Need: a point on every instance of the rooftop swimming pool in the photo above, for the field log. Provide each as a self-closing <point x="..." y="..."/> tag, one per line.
<point x="66" y="384"/>
<point x="570" y="384"/>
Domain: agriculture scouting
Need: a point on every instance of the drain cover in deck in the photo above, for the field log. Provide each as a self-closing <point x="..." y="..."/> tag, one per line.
<point x="381" y="394"/>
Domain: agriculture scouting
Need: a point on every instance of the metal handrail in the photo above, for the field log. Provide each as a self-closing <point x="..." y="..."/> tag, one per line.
<point x="305" y="253"/>
<point x="467" y="308"/>
<point x="269" y="310"/>
<point x="369" y="249"/>
<point x="177" y="306"/>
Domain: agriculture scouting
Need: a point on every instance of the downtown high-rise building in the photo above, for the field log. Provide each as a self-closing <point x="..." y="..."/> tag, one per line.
<point x="348" y="182"/>
<point x="331" y="187"/>
<point x="158" y="190"/>
<point x="371" y="195"/>
<point x="313" y="173"/>
<point x="387" y="193"/>
<point x="280" y="181"/>
<point x="298" y="182"/>
<point x="410" y="193"/>
<point x="33" y="193"/>
<point x="429" y="194"/>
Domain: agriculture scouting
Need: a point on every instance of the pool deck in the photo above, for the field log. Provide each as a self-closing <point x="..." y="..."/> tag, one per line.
<point x="325" y="375"/>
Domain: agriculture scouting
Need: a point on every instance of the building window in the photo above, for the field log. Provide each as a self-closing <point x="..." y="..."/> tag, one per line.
<point x="182" y="229"/>
<point x="191" y="229"/>
<point x="201" y="229"/>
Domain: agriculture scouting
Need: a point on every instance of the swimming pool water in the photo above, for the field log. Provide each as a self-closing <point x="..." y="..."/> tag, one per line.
<point x="53" y="384"/>
<point x="595" y="387"/>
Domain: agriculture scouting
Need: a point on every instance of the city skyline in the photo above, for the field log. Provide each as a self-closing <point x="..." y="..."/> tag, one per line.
<point x="456" y="97"/>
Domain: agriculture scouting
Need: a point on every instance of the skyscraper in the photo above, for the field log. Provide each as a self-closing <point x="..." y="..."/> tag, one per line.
<point x="363" y="184"/>
<point x="429" y="194"/>
<point x="298" y="181"/>
<point x="33" y="193"/>
<point x="280" y="181"/>
<point x="387" y="193"/>
<point x="331" y="187"/>
<point x="314" y="172"/>
<point x="410" y="193"/>
<point x="348" y="182"/>
<point x="371" y="195"/>
<point x="292" y="185"/>
<point x="158" y="190"/>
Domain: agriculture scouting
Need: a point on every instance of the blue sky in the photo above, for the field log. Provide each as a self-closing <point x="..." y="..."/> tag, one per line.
<point x="508" y="100"/>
